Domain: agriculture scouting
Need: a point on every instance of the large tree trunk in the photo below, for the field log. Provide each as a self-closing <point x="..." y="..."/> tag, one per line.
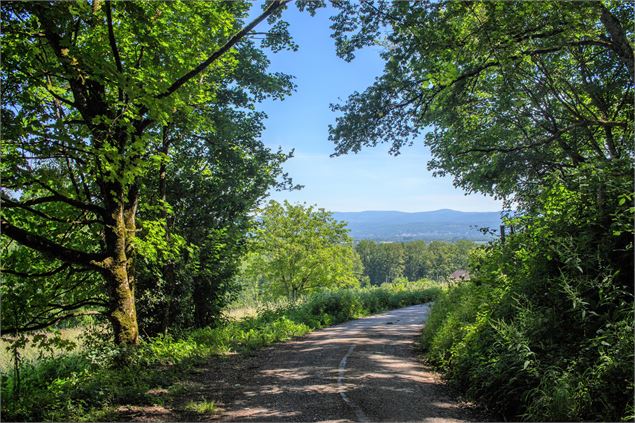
<point x="122" y="314"/>
<point x="119" y="270"/>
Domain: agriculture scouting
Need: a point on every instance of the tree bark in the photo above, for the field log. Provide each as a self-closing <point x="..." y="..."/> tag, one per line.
<point x="119" y="275"/>
<point x="123" y="314"/>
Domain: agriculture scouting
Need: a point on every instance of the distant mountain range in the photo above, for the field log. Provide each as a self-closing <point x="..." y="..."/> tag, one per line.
<point x="445" y="224"/>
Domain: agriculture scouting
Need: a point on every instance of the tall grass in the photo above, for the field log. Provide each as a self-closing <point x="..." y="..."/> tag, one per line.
<point x="85" y="385"/>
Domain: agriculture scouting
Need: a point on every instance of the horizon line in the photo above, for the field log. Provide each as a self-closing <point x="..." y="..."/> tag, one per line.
<point x="421" y="211"/>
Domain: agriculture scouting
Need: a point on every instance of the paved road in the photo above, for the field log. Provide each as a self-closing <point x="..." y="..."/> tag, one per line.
<point x="363" y="370"/>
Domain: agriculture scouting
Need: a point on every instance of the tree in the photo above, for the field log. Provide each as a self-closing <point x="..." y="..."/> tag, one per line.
<point x="393" y="261"/>
<point x="416" y="265"/>
<point x="368" y="252"/>
<point x="511" y="91"/>
<point x="87" y="91"/>
<point x="441" y="263"/>
<point x="516" y="98"/>
<point x="383" y="262"/>
<point x="214" y="183"/>
<point x="302" y="249"/>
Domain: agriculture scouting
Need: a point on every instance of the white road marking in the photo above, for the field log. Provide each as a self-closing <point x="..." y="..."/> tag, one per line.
<point x="359" y="413"/>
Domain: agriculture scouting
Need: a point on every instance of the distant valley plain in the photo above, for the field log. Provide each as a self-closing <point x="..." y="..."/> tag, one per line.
<point x="443" y="225"/>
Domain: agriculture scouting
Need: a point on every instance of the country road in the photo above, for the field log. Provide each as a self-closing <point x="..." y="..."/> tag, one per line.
<point x="363" y="370"/>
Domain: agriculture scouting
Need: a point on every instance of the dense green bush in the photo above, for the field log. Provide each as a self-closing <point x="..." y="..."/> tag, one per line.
<point x="544" y="330"/>
<point x="538" y="362"/>
<point x="83" y="385"/>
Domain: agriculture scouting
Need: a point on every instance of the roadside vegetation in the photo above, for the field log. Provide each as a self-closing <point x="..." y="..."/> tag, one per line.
<point x="91" y="382"/>
<point x="543" y="330"/>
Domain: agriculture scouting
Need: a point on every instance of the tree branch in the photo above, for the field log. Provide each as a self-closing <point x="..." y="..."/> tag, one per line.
<point x="8" y="203"/>
<point x="619" y="40"/>
<point x="36" y="275"/>
<point x="478" y="69"/>
<point x="50" y="248"/>
<point x="524" y="146"/>
<point x="111" y="38"/>
<point x="113" y="45"/>
<point x="60" y="98"/>
<point x="32" y="326"/>
<point x="99" y="211"/>
<point x="274" y="6"/>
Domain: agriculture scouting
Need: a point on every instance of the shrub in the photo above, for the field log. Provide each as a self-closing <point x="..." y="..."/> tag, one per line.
<point x="548" y="348"/>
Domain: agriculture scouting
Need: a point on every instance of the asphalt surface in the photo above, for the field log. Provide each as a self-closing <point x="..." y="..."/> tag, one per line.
<point x="363" y="370"/>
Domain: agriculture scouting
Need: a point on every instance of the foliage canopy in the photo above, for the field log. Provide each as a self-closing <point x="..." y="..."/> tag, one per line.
<point x="505" y="92"/>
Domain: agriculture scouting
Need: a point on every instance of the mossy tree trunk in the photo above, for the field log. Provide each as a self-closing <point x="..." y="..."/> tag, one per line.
<point x="120" y="231"/>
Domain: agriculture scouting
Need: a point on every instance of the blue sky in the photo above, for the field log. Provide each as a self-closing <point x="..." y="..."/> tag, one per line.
<point x="369" y="180"/>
